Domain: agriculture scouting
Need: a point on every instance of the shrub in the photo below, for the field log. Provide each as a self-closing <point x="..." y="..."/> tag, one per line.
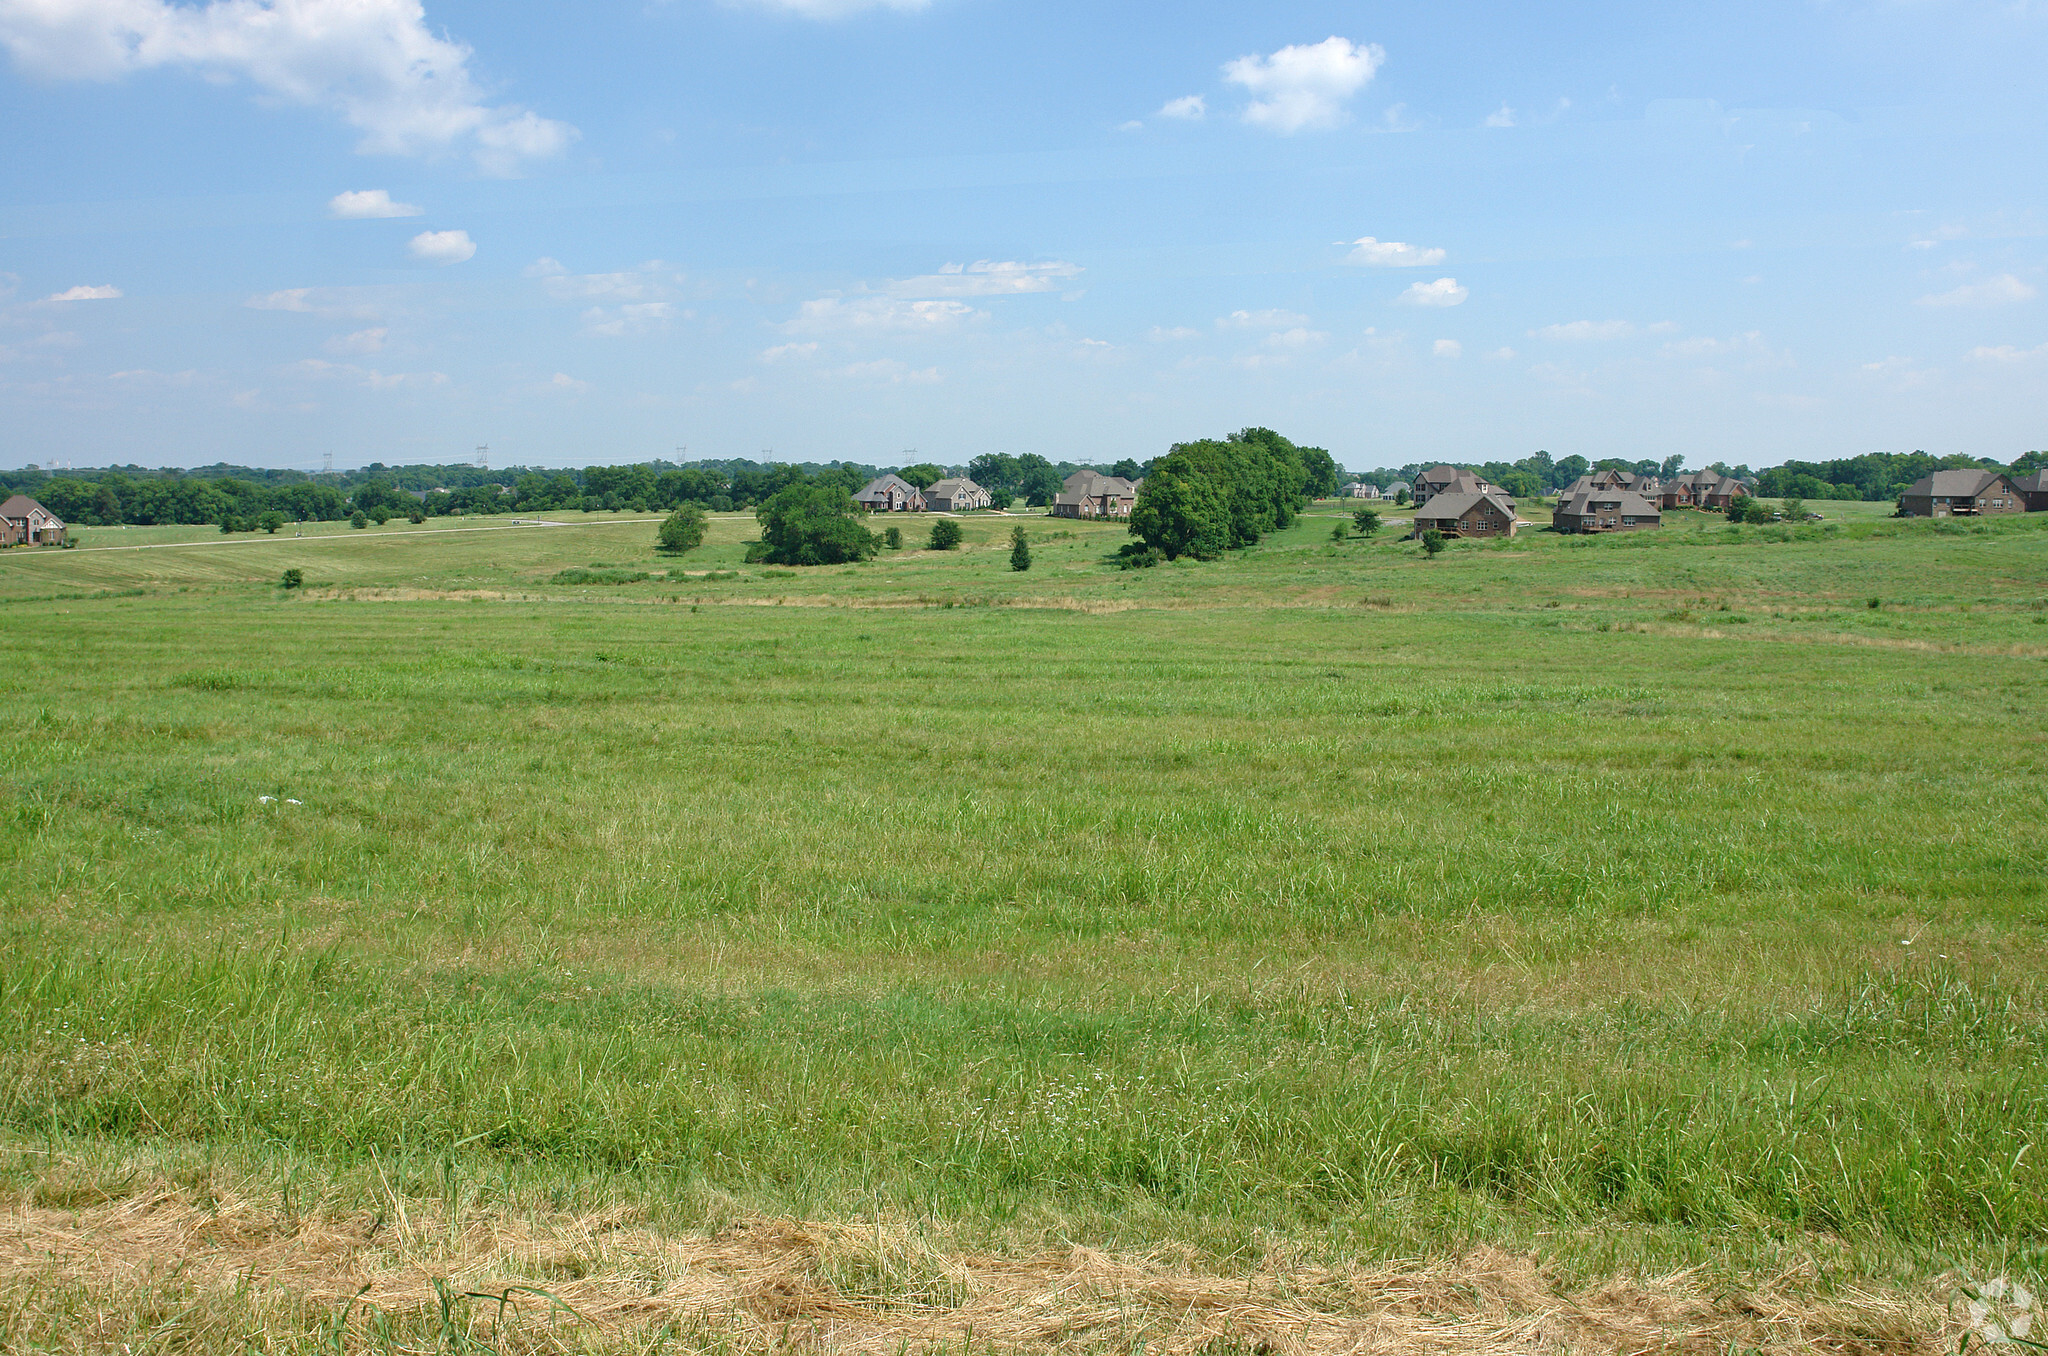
<point x="416" y="517"/>
<point x="294" y="577"/>
<point x="358" y="519"/>
<point x="228" y="523"/>
<point x="1432" y="542"/>
<point x="1137" y="556"/>
<point x="380" y="515"/>
<point x="893" y="538"/>
<point x="1337" y="532"/>
<point x="1367" y="521"/>
<point x="681" y="531"/>
<point x="1020" y="549"/>
<point x="271" y="521"/>
<point x="945" y="535"/>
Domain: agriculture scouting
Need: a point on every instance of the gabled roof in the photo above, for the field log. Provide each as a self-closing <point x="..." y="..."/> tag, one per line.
<point x="20" y="506"/>
<point x="1951" y="484"/>
<point x="1093" y="485"/>
<point x="1457" y="503"/>
<point x="952" y="487"/>
<point x="1593" y="500"/>
<point x="2036" y="483"/>
<point x="875" y="488"/>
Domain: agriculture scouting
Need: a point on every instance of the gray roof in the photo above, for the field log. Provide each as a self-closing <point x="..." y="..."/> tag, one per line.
<point x="1395" y="487"/>
<point x="1457" y="503"/>
<point x="1591" y="500"/>
<point x="874" y="488"/>
<point x="1955" y="484"/>
<point x="2036" y="483"/>
<point x="952" y="486"/>
<point x="1093" y="485"/>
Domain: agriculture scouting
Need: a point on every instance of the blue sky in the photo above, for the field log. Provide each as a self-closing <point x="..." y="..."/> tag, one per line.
<point x="262" y="231"/>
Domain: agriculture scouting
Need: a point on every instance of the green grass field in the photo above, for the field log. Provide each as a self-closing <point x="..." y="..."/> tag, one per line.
<point x="1649" y="906"/>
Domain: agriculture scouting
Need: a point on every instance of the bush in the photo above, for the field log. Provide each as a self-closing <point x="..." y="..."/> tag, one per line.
<point x="1137" y="556"/>
<point x="681" y="531"/>
<point x="416" y="517"/>
<point x="945" y="535"/>
<point x="812" y="524"/>
<point x="380" y="515"/>
<point x="271" y="521"/>
<point x="1337" y="532"/>
<point x="358" y="519"/>
<point x="294" y="577"/>
<point x="1020" y="549"/>
<point x="228" y="523"/>
<point x="1432" y="542"/>
<point x="1367" y="522"/>
<point x="893" y="538"/>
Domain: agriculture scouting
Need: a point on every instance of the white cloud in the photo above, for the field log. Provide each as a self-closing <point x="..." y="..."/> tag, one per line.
<point x="441" y="247"/>
<point x="1134" y="125"/>
<point x="375" y="62"/>
<point x="1299" y="337"/>
<point x="649" y="282"/>
<point x="333" y="303"/>
<point x="985" y="278"/>
<point x="631" y="320"/>
<point x="1502" y="353"/>
<point x="1448" y="348"/>
<point x="562" y="384"/>
<point x="1578" y="330"/>
<point x="1191" y="108"/>
<point x="104" y="292"/>
<point x="1704" y="346"/>
<point x="1501" y="117"/>
<point x="1303" y="87"/>
<point x="1263" y="320"/>
<point x="361" y="342"/>
<point x="1996" y="291"/>
<point x="1442" y="292"/>
<point x="1159" y="334"/>
<point x="1392" y="254"/>
<point x="2006" y="353"/>
<point x="831" y="9"/>
<point x="376" y="381"/>
<point x="856" y="314"/>
<point x="789" y="352"/>
<point x="370" y="204"/>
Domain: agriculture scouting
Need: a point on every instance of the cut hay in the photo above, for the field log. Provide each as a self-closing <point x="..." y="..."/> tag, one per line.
<point x="600" y="1282"/>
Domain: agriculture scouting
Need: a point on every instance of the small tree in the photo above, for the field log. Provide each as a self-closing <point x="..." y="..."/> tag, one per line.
<point x="1368" y="522"/>
<point x="681" y="531"/>
<point x="271" y="521"/>
<point x="1793" y="510"/>
<point x="380" y="515"/>
<point x="1020" y="549"/>
<point x="358" y="519"/>
<point x="1337" y="532"/>
<point x="1755" y="512"/>
<point x="1401" y="496"/>
<point x="416" y="517"/>
<point x="228" y="524"/>
<point x="892" y="537"/>
<point x="1738" y="506"/>
<point x="1432" y="543"/>
<point x="294" y="577"/>
<point x="945" y="535"/>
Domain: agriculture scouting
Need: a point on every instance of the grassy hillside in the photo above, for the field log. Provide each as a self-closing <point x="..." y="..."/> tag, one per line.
<point x="1631" y="904"/>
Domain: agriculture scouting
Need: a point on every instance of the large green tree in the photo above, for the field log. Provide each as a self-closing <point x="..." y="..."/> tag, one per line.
<point x="813" y="524"/>
<point x="924" y="475"/>
<point x="1182" y="511"/>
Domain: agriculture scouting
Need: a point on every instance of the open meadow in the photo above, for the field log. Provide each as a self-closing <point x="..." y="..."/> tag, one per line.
<point x="1625" y="943"/>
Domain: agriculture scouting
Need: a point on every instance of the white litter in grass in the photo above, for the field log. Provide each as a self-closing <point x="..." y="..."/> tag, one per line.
<point x="266" y="800"/>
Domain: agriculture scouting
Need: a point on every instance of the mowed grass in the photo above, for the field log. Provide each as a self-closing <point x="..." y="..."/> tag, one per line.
<point x="1637" y="902"/>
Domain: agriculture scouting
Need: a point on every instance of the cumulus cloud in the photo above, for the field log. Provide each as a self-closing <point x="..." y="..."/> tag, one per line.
<point x="2006" y="353"/>
<point x="1502" y="354"/>
<point x="441" y="247"/>
<point x="1263" y="320"/>
<point x="376" y="381"/>
<point x="361" y="342"/>
<point x="1579" y="330"/>
<point x="1998" y="291"/>
<point x="1160" y="334"/>
<point x="374" y="62"/>
<point x="1304" y="87"/>
<point x="1392" y="254"/>
<point x="648" y="282"/>
<point x="104" y="292"/>
<point x="1448" y="348"/>
<point x="332" y="303"/>
<point x="562" y="384"/>
<point x="1501" y="117"/>
<point x="789" y="352"/>
<point x="1297" y="338"/>
<point x="369" y="204"/>
<point x="631" y="320"/>
<point x="858" y="314"/>
<point x="1190" y="108"/>
<point x="1442" y="292"/>
<point x="986" y="278"/>
<point x="889" y="371"/>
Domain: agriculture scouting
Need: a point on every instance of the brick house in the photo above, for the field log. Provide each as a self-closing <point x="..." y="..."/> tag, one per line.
<point x="890" y="494"/>
<point x="1962" y="494"/>
<point x="955" y="495"/>
<point x="24" y="522"/>
<point x="1090" y="494"/>
<point x="1359" y="489"/>
<point x="1598" y="510"/>
<point x="1701" y="490"/>
<point x="2034" y="489"/>
<point x="1467" y="513"/>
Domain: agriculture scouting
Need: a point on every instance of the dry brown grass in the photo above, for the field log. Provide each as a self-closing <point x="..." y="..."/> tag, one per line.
<point x="139" y="1259"/>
